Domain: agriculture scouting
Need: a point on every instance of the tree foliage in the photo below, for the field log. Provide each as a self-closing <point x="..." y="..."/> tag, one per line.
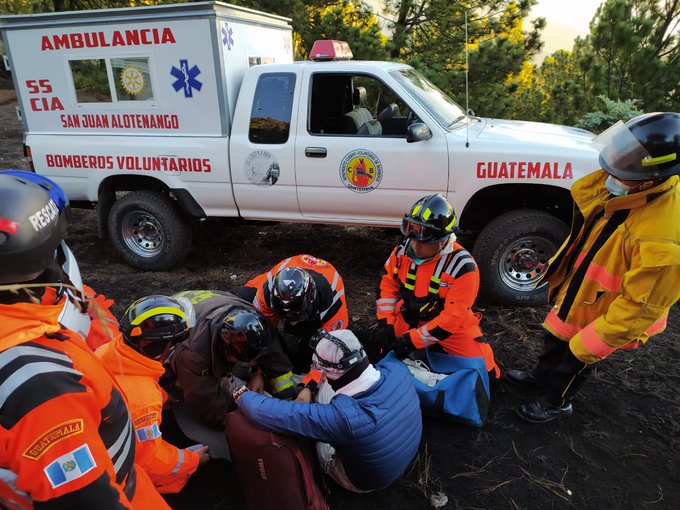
<point x="430" y="35"/>
<point x="629" y="60"/>
<point x="348" y="20"/>
<point x="611" y="112"/>
<point x="630" y="57"/>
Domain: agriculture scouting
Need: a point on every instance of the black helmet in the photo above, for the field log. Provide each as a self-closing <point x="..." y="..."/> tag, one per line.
<point x="32" y="224"/>
<point x="152" y="323"/>
<point x="294" y="294"/>
<point x="644" y="148"/>
<point x="245" y="333"/>
<point x="430" y="220"/>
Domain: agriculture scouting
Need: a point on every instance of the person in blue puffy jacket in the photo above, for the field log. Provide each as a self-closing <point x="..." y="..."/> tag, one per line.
<point x="367" y="419"/>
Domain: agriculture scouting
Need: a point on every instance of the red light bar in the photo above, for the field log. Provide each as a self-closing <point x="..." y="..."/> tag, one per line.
<point x="328" y="49"/>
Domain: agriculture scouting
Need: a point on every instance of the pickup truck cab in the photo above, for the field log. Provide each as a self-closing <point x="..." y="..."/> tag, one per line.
<point x="164" y="115"/>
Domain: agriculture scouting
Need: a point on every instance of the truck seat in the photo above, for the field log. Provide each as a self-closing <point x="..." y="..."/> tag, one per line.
<point x="364" y="123"/>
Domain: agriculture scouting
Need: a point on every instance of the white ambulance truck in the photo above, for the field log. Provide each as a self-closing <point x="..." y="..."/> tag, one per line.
<point x="164" y="115"/>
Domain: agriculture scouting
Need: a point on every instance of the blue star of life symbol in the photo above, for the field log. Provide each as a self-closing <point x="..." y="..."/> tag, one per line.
<point x="227" y="34"/>
<point x="186" y="78"/>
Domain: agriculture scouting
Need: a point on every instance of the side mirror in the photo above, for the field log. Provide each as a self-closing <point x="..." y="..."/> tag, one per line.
<point x="418" y="132"/>
<point x="388" y="112"/>
<point x="471" y="112"/>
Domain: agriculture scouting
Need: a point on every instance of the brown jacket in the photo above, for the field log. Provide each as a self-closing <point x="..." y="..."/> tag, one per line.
<point x="202" y="373"/>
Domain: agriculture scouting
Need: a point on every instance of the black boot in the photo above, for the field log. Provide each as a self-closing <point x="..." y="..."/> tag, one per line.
<point x="525" y="379"/>
<point x="543" y="411"/>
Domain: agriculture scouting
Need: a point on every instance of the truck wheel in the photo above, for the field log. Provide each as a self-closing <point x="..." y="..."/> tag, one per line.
<point x="148" y="230"/>
<point x="513" y="251"/>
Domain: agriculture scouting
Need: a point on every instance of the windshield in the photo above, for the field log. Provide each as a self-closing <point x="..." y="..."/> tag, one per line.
<point x="438" y="104"/>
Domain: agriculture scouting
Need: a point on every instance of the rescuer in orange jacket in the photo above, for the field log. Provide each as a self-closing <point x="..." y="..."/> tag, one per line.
<point x="66" y="439"/>
<point x="307" y="293"/>
<point x="616" y="276"/>
<point x="150" y="328"/>
<point x="428" y="286"/>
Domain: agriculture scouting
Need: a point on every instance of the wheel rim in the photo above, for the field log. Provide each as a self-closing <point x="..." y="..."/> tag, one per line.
<point x="143" y="234"/>
<point x="524" y="261"/>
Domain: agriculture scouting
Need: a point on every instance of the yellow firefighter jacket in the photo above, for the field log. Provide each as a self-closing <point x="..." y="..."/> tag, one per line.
<point x="616" y="276"/>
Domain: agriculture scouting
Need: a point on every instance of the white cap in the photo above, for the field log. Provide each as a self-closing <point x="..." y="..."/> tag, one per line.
<point x="329" y="351"/>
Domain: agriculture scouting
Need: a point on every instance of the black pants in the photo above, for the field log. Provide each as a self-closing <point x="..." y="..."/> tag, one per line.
<point x="559" y="370"/>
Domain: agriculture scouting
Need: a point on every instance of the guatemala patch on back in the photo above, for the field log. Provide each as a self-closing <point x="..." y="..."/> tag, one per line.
<point x="148" y="433"/>
<point x="70" y="466"/>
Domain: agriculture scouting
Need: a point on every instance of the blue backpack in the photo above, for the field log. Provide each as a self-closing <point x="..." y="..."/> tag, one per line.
<point x="457" y="388"/>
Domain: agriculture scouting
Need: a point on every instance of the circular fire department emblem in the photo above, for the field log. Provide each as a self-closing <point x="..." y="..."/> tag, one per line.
<point x="361" y="171"/>
<point x="132" y="80"/>
<point x="261" y="167"/>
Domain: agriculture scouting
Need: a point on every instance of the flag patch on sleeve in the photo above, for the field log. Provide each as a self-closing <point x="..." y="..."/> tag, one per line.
<point x="148" y="433"/>
<point x="70" y="466"/>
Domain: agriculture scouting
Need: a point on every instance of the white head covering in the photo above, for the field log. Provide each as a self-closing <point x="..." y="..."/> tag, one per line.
<point x="328" y="351"/>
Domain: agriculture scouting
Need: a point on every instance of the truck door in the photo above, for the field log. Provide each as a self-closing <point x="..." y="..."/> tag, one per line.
<point x="262" y="144"/>
<point x="353" y="163"/>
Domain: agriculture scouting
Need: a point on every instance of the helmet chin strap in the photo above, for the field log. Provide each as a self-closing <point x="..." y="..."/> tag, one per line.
<point x="449" y="242"/>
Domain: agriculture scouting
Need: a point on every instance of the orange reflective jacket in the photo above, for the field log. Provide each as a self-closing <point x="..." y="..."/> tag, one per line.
<point x="432" y="301"/>
<point x="65" y="430"/>
<point x="332" y="311"/>
<point x="103" y="324"/>
<point x="168" y="467"/>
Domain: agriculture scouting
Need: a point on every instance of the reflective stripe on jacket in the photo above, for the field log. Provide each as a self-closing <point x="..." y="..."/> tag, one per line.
<point x="615" y="277"/>
<point x="66" y="432"/>
<point x="168" y="467"/>
<point x="200" y="366"/>
<point x="449" y="282"/>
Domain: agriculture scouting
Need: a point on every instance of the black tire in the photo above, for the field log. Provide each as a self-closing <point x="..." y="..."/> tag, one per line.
<point x="148" y="230"/>
<point x="512" y="253"/>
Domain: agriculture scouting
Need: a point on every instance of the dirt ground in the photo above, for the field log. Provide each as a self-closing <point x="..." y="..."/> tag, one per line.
<point x="620" y="450"/>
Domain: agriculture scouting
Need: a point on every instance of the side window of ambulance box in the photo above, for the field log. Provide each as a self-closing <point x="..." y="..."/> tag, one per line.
<point x="111" y="80"/>
<point x="272" y="108"/>
<point x="91" y="80"/>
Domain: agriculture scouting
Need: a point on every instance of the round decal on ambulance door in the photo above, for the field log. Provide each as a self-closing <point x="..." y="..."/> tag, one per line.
<point x="262" y="168"/>
<point x="132" y="80"/>
<point x="361" y="171"/>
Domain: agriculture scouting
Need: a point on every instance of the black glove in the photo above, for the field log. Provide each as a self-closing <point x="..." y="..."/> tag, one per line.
<point x="385" y="336"/>
<point x="402" y="346"/>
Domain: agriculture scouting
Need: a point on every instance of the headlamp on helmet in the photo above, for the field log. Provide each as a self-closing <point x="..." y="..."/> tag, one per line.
<point x="349" y="358"/>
